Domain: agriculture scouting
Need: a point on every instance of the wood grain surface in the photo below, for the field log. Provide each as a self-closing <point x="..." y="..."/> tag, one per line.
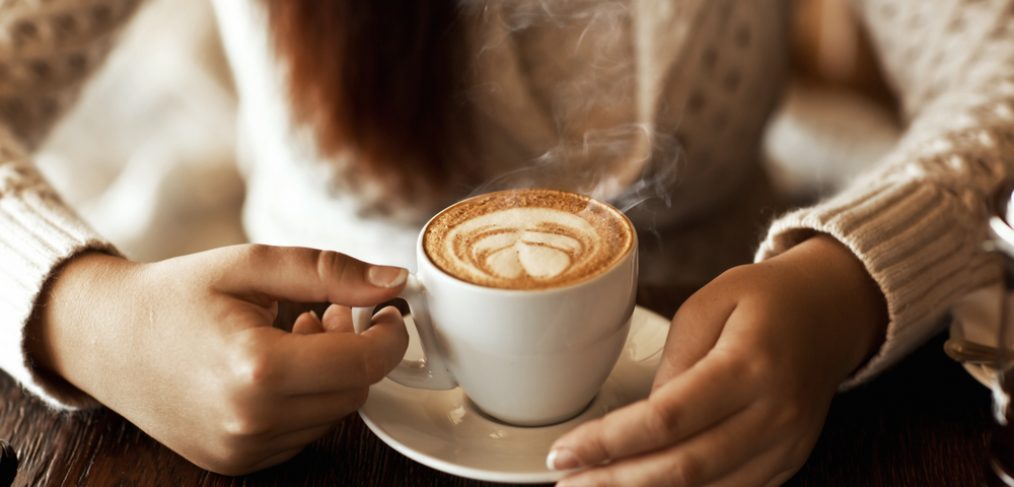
<point x="924" y="423"/>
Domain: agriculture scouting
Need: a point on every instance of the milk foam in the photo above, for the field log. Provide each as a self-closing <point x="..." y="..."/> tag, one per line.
<point x="539" y="243"/>
<point x="527" y="240"/>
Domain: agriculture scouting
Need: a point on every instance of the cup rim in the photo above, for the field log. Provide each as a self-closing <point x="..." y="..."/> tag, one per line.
<point x="423" y="258"/>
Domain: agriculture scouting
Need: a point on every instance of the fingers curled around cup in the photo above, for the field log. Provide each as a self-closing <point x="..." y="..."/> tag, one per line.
<point x="387" y="340"/>
<point x="338" y="318"/>
<point x="668" y="416"/>
<point x="307" y="323"/>
<point x="334" y="362"/>
<point x="309" y="275"/>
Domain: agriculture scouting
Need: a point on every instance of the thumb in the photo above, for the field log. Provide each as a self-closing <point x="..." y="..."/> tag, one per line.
<point x="307" y="275"/>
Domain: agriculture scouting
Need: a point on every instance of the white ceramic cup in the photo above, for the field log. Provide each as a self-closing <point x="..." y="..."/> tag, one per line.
<point x="525" y="357"/>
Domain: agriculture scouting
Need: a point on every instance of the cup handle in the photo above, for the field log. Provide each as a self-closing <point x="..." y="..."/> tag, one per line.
<point x="429" y="372"/>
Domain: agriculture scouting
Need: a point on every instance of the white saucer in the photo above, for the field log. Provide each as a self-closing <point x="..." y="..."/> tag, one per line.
<point x="442" y="430"/>
<point x="976" y="318"/>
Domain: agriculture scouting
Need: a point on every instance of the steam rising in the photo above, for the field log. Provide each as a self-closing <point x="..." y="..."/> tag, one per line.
<point x="579" y="59"/>
<point x="647" y="164"/>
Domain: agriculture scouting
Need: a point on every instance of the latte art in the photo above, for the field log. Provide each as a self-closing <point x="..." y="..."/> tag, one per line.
<point x="527" y="239"/>
<point x="536" y="243"/>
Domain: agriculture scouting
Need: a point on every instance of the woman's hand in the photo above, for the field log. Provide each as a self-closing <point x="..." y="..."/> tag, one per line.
<point x="750" y="366"/>
<point x="185" y="350"/>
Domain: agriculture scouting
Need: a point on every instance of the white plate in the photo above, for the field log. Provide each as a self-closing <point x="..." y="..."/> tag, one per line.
<point x="442" y="430"/>
<point x="976" y="318"/>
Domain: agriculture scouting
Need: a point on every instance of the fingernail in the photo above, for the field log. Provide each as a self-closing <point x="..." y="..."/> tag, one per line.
<point x="384" y="276"/>
<point x="314" y="314"/>
<point x="562" y="459"/>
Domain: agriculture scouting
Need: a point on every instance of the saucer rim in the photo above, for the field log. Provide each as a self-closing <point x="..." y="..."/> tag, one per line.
<point x="475" y="473"/>
<point x="959" y="320"/>
<point x="980" y="373"/>
<point x="459" y="470"/>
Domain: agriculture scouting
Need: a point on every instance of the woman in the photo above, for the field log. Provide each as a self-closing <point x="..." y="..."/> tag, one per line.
<point x="368" y="117"/>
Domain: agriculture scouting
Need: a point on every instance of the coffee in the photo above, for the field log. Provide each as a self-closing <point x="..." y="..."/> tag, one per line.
<point x="533" y="337"/>
<point x="527" y="239"/>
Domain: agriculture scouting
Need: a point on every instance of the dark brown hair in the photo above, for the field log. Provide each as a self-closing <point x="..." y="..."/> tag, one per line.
<point x="383" y="79"/>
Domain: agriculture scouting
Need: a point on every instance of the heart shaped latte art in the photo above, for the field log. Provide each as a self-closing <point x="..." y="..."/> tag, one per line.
<point x="540" y="244"/>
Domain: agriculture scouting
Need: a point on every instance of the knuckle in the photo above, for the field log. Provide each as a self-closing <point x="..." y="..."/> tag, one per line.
<point x="257" y="254"/>
<point x="251" y="366"/>
<point x="730" y="361"/>
<point x="759" y="367"/>
<point x="359" y="397"/>
<point x="333" y="266"/>
<point x="245" y="316"/>
<point x="662" y="419"/>
<point x="686" y="316"/>
<point x="687" y="470"/>
<point x="240" y="425"/>
<point x="374" y="367"/>
<point x="351" y="401"/>
<point x="593" y="440"/>
<point x="734" y="273"/>
<point x="790" y="413"/>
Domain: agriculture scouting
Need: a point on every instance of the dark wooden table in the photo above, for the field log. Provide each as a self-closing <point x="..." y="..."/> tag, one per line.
<point x="923" y="423"/>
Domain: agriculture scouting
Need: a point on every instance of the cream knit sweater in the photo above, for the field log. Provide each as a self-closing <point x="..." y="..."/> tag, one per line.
<point x="559" y="78"/>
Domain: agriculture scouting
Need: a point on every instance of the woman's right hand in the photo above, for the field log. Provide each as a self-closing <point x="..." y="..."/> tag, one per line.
<point x="185" y="348"/>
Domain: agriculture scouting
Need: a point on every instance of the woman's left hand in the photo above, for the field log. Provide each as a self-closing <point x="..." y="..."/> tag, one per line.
<point x="750" y="366"/>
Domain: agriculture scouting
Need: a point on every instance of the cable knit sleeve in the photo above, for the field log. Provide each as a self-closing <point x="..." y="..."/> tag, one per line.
<point x="47" y="50"/>
<point x="917" y="220"/>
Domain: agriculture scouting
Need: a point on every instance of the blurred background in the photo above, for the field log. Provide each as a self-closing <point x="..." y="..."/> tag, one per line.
<point x="163" y="107"/>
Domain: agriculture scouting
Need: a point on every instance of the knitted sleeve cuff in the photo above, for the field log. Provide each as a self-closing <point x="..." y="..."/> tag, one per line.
<point x="38" y="233"/>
